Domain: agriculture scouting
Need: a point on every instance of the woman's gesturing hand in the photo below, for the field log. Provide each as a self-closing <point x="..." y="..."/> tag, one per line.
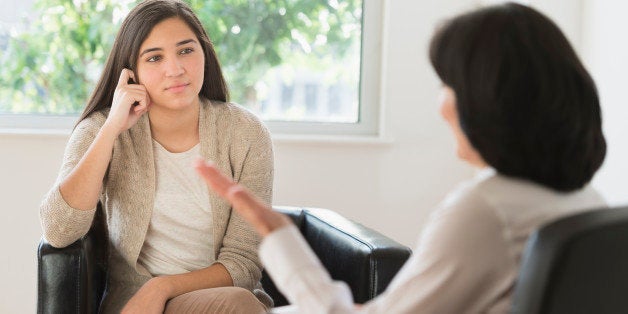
<point x="260" y="216"/>
<point x="124" y="114"/>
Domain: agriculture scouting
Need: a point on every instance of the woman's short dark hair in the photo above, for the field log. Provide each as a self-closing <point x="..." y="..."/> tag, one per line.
<point x="125" y="51"/>
<point x="524" y="99"/>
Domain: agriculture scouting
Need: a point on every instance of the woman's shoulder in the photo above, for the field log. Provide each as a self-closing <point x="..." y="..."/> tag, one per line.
<point x="463" y="224"/>
<point x="468" y="196"/>
<point x="467" y="211"/>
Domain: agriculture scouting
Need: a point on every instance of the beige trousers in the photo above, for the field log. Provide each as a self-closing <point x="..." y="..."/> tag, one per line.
<point x="216" y="300"/>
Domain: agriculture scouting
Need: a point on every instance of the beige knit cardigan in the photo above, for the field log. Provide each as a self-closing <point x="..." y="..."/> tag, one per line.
<point x="230" y="136"/>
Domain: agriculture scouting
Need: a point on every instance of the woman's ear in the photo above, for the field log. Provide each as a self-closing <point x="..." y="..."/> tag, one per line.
<point x="449" y="112"/>
<point x="447" y="103"/>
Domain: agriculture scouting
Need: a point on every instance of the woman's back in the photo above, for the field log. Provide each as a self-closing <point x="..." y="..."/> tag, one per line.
<point x="468" y="258"/>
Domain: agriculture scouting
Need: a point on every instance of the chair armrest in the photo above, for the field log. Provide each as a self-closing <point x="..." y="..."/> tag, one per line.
<point x="72" y="279"/>
<point x="362" y="257"/>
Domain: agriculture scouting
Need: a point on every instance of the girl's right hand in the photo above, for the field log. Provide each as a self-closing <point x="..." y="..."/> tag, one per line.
<point x="124" y="114"/>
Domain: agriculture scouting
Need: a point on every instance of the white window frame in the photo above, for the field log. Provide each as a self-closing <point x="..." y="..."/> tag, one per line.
<point x="368" y="124"/>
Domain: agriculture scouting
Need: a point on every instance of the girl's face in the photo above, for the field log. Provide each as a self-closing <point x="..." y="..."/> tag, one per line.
<point x="448" y="111"/>
<point x="171" y="65"/>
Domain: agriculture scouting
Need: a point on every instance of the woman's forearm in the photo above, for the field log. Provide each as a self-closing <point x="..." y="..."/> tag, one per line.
<point x="81" y="188"/>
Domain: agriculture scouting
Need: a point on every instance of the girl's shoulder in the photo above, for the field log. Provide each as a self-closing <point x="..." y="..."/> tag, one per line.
<point x="229" y="115"/>
<point x="93" y="122"/>
<point x="228" y="110"/>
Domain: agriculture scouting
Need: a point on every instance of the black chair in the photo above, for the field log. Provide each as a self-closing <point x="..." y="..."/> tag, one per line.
<point x="72" y="279"/>
<point x="577" y="264"/>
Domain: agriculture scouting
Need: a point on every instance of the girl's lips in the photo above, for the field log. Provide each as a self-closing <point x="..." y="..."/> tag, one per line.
<point x="177" y="88"/>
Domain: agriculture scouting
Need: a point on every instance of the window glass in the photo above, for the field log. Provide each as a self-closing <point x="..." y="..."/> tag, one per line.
<point x="290" y="60"/>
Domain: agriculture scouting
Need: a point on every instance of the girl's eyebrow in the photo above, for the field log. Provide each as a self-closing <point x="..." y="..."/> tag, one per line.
<point x="187" y="41"/>
<point x="181" y="43"/>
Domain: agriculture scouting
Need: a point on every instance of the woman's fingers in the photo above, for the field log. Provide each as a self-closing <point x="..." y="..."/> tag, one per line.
<point x="260" y="216"/>
<point x="243" y="199"/>
<point x="236" y="194"/>
<point x="216" y="180"/>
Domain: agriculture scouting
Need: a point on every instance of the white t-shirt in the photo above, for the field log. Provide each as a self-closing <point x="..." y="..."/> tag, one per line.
<point x="179" y="237"/>
<point x="466" y="261"/>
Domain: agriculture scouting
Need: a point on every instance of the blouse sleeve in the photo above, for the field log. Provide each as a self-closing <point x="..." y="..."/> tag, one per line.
<point x="62" y="224"/>
<point x="300" y="276"/>
<point x="460" y="265"/>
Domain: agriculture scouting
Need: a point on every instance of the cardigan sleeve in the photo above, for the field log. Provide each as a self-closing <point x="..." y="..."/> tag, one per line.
<point x="62" y="224"/>
<point x="252" y="165"/>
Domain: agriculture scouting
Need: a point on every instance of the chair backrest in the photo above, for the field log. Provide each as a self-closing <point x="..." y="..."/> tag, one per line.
<point x="577" y="264"/>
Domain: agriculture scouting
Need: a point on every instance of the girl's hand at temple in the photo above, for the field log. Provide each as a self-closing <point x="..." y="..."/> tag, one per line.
<point x="124" y="113"/>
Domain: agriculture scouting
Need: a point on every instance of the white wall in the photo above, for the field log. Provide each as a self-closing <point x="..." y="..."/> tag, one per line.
<point x="389" y="185"/>
<point x="605" y="51"/>
<point x="28" y="166"/>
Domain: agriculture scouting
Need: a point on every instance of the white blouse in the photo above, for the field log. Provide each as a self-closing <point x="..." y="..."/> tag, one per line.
<point x="466" y="261"/>
<point x="179" y="237"/>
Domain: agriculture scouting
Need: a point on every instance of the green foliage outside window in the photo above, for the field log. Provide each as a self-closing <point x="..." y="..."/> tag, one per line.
<point x="52" y="66"/>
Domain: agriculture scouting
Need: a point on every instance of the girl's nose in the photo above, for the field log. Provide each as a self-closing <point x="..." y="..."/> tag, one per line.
<point x="174" y="67"/>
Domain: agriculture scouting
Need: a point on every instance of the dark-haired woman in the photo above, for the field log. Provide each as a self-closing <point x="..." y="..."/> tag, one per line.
<point x="161" y="102"/>
<point x="525" y="111"/>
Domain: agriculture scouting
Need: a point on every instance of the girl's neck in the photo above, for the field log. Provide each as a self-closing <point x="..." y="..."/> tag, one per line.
<point x="175" y="130"/>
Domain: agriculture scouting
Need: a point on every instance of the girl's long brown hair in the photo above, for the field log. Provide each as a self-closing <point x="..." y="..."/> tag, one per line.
<point x="134" y="30"/>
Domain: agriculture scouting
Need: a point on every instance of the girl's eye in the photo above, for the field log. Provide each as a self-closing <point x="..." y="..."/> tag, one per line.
<point x="186" y="51"/>
<point x="154" y="59"/>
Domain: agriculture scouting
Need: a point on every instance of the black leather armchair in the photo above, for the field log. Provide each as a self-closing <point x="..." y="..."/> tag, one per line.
<point x="577" y="264"/>
<point x="72" y="279"/>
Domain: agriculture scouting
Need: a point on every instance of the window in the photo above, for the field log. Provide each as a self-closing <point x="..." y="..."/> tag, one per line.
<point x="303" y="66"/>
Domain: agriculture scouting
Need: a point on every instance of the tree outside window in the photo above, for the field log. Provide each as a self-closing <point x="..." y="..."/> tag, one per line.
<point x="50" y="62"/>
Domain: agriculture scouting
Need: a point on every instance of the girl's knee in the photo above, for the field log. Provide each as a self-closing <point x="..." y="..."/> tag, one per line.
<point x="216" y="300"/>
<point x="243" y="298"/>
